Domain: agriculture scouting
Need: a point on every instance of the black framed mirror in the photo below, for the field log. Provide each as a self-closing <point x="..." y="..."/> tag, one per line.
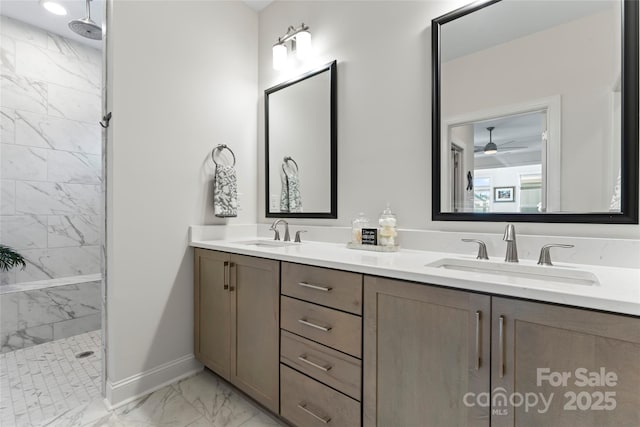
<point x="301" y="142"/>
<point x="535" y="112"/>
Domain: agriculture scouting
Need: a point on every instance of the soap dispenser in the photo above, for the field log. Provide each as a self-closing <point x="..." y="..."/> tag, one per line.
<point x="360" y="222"/>
<point x="387" y="228"/>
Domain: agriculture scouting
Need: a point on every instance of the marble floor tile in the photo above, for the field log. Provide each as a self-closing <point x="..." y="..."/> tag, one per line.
<point x="51" y="369"/>
<point x="80" y="415"/>
<point x="216" y="400"/>
<point x="165" y="407"/>
<point x="47" y="385"/>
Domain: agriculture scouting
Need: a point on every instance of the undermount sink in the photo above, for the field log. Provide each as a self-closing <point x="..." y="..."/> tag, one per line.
<point x="267" y="243"/>
<point x="512" y="270"/>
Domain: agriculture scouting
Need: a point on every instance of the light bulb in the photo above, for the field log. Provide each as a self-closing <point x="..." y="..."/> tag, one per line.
<point x="303" y="44"/>
<point x="53" y="7"/>
<point x="279" y="56"/>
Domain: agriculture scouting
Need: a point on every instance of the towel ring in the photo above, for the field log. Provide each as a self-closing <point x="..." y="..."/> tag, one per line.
<point x="289" y="159"/>
<point x="223" y="147"/>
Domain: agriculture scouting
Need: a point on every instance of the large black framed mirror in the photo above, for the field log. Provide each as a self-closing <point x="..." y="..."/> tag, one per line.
<point x="535" y="112"/>
<point x="301" y="141"/>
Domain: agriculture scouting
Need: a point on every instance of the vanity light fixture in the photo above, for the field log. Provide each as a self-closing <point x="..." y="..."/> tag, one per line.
<point x="299" y="40"/>
<point x="53" y="7"/>
<point x="491" y="147"/>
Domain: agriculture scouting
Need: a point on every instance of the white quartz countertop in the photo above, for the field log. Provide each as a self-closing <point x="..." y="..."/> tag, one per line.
<point x="618" y="290"/>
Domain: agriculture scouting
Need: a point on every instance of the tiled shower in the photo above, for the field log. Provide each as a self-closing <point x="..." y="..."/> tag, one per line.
<point x="51" y="188"/>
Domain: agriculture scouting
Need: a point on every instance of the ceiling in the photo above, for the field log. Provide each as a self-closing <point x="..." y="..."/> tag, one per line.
<point x="509" y="20"/>
<point x="31" y="12"/>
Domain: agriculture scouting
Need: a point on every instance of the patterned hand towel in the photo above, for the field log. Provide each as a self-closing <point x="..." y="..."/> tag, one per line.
<point x="225" y="192"/>
<point x="290" y="198"/>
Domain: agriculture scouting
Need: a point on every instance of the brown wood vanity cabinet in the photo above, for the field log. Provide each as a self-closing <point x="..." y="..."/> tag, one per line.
<point x="236" y="322"/>
<point x="321" y="343"/>
<point x="430" y="352"/>
<point x="597" y="353"/>
<point x="424" y="348"/>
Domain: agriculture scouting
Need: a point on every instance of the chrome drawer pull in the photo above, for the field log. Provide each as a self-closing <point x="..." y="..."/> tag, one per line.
<point x="303" y="406"/>
<point x="501" y="345"/>
<point x="316" y="287"/>
<point x="325" y="368"/>
<point x="313" y="325"/>
<point x="226" y="276"/>
<point x="478" y="330"/>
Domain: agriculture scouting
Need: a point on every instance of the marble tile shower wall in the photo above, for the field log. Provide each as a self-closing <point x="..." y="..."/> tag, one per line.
<point x="41" y="315"/>
<point x="50" y="156"/>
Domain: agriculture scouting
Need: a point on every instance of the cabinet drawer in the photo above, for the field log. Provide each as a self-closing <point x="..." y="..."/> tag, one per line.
<point x="306" y="402"/>
<point x="333" y="328"/>
<point x="329" y="366"/>
<point x="336" y="289"/>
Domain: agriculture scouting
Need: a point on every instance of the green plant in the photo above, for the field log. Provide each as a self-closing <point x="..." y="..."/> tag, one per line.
<point x="10" y="259"/>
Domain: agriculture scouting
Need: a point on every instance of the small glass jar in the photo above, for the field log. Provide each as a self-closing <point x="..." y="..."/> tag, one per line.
<point x="360" y="222"/>
<point x="387" y="228"/>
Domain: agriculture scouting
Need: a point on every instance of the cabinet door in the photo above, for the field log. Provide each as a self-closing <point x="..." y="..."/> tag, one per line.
<point x="424" y="349"/>
<point x="559" y="345"/>
<point x="255" y="334"/>
<point x="212" y="333"/>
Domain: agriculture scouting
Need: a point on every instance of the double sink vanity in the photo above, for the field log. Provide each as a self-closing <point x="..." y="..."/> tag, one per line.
<point x="323" y="335"/>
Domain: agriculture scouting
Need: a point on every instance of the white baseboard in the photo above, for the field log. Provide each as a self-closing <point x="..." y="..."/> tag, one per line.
<point x="121" y="392"/>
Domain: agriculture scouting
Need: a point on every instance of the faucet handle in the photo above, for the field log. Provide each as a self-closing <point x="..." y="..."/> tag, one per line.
<point x="545" y="253"/>
<point x="482" y="248"/>
<point x="297" y="239"/>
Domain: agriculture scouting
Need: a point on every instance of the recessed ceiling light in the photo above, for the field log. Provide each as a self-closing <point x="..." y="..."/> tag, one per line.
<point x="53" y="7"/>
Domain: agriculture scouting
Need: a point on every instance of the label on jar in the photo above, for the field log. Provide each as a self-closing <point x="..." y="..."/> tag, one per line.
<point x="369" y="236"/>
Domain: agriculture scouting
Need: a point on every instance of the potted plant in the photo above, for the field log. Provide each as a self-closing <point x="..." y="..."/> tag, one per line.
<point x="10" y="259"/>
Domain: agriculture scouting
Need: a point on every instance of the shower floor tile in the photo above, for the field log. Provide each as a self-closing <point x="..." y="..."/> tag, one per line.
<point x="40" y="382"/>
<point x="46" y="385"/>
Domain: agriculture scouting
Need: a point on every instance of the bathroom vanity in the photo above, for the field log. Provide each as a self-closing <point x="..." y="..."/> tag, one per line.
<point x="320" y="334"/>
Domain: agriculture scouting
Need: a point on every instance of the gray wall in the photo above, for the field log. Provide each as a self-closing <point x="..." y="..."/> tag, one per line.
<point x="383" y="50"/>
<point x="182" y="79"/>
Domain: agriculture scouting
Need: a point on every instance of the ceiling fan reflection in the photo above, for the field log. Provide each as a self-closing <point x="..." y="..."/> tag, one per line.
<point x="492" y="148"/>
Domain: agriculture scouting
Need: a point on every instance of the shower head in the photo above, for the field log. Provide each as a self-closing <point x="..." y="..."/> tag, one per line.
<point x="86" y="27"/>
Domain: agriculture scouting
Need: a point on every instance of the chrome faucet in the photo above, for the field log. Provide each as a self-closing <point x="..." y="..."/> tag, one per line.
<point x="274" y="227"/>
<point x="512" y="249"/>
